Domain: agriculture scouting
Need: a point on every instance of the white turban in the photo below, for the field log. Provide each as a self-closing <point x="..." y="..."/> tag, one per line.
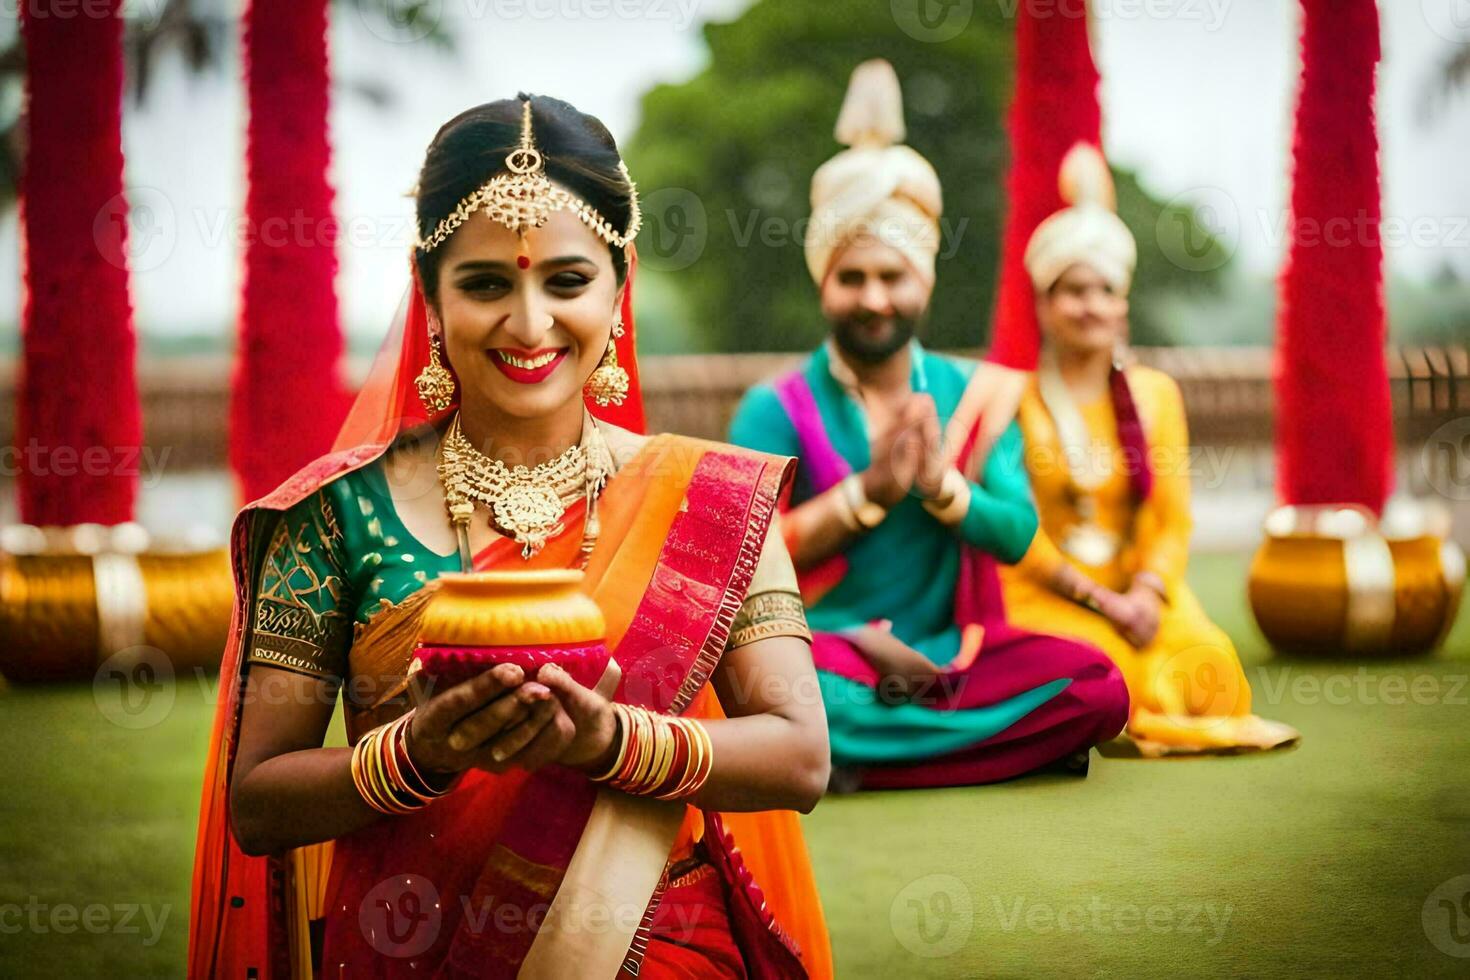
<point x="1089" y="232"/>
<point x="879" y="187"/>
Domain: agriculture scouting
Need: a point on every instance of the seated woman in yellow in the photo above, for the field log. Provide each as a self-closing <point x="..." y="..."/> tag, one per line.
<point x="1107" y="452"/>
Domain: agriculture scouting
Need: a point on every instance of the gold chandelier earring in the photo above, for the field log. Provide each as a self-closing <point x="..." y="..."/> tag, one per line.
<point x="434" y="382"/>
<point x="608" y="384"/>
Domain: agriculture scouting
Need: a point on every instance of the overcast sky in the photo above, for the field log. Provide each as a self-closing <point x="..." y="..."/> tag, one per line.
<point x="1197" y="98"/>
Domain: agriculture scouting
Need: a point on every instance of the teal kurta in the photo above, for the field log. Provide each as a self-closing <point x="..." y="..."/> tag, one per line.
<point x="906" y="569"/>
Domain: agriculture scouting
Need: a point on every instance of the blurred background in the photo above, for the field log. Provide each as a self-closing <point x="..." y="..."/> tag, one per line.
<point x="724" y="108"/>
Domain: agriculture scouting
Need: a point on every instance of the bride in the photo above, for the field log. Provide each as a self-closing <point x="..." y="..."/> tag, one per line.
<point x="516" y="823"/>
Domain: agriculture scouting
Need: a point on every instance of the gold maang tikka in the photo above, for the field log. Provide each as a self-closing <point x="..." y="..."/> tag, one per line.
<point x="524" y="198"/>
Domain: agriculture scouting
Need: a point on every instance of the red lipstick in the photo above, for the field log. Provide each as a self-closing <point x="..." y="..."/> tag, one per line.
<point x="525" y="366"/>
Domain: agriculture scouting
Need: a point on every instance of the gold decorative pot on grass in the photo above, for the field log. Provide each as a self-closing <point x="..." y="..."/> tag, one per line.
<point x="1332" y="580"/>
<point x="71" y="598"/>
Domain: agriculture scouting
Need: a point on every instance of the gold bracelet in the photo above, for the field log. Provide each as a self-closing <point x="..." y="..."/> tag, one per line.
<point x="662" y="758"/>
<point x="643" y="750"/>
<point x="378" y="774"/>
<point x="865" y="512"/>
<point x="621" y="734"/>
<point x="700" y="761"/>
<point x="953" y="502"/>
<point x="845" y="513"/>
<point x="645" y="763"/>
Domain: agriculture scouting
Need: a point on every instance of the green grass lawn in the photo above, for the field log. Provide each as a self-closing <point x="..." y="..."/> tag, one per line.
<point x="1333" y="859"/>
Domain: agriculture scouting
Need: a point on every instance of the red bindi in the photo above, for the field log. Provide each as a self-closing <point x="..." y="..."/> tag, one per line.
<point x="524" y="261"/>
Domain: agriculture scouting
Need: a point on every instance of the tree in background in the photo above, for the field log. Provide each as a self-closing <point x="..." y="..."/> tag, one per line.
<point x="725" y="162"/>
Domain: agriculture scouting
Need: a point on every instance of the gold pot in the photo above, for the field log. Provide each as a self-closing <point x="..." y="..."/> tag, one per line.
<point x="478" y="619"/>
<point x="1331" y="580"/>
<point x="70" y="598"/>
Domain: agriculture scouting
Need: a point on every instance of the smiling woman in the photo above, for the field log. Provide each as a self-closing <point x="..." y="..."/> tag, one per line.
<point x="515" y="797"/>
<point x="1105" y="443"/>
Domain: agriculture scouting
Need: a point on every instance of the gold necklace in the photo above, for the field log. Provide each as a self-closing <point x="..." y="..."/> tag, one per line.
<point x="525" y="503"/>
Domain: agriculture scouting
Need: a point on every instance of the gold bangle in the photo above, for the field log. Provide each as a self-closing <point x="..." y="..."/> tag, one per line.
<point x="845" y="513"/>
<point x="865" y="512"/>
<point x="701" y="771"/>
<point x="621" y="734"/>
<point x="953" y="502"/>
<point x="363" y="754"/>
<point x="670" y="742"/>
<point x="398" y="735"/>
<point x="650" y="746"/>
<point x="698" y="765"/>
<point x="644" y="757"/>
<point x="377" y="776"/>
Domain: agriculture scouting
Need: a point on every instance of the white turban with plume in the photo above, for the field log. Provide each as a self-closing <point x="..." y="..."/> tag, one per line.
<point x="1089" y="232"/>
<point x="879" y="187"/>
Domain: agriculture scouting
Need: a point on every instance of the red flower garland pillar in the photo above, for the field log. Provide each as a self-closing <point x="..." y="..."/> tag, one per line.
<point x="1334" y="432"/>
<point x="79" y="426"/>
<point x="1330" y="577"/>
<point x="1055" y="105"/>
<point x="290" y="341"/>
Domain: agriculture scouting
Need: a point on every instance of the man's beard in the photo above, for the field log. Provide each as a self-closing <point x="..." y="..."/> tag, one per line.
<point x="849" y="332"/>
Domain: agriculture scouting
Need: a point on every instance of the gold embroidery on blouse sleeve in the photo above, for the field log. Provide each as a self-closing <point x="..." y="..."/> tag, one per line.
<point x="299" y="622"/>
<point x="767" y="614"/>
<point x="329" y="532"/>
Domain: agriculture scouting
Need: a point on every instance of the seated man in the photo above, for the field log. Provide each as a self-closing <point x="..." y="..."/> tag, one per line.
<point x="925" y="683"/>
